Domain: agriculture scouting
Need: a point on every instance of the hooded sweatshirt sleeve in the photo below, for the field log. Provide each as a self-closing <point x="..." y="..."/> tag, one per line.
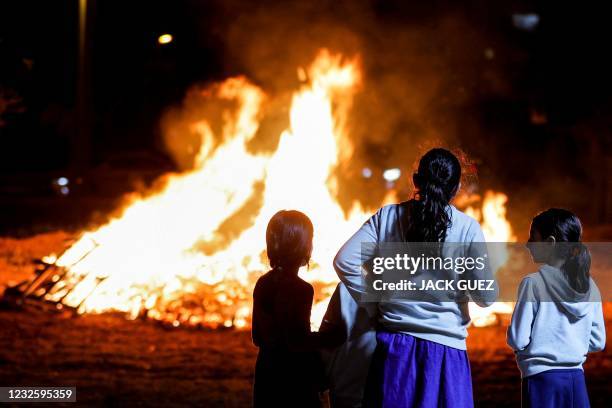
<point x="597" y="340"/>
<point x="519" y="331"/>
<point x="351" y="256"/>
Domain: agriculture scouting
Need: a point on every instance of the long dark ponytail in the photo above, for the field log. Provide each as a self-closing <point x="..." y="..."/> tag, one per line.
<point x="564" y="226"/>
<point x="436" y="182"/>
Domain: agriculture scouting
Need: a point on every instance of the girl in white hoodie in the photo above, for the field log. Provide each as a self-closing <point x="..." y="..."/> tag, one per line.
<point x="558" y="316"/>
<point x="417" y="351"/>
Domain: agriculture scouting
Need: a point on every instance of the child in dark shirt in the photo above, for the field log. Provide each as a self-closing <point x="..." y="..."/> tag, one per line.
<point x="288" y="371"/>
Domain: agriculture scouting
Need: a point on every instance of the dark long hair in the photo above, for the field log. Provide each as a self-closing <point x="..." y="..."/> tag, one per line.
<point x="436" y="182"/>
<point x="564" y="226"/>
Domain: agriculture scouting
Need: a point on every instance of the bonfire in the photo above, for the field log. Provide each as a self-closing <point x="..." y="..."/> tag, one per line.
<point x="161" y="256"/>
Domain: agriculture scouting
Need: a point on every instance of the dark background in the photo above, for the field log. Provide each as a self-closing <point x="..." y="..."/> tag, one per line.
<point x="530" y="107"/>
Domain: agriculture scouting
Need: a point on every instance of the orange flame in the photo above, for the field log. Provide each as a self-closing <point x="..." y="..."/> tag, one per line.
<point x="146" y="261"/>
<point x="495" y="228"/>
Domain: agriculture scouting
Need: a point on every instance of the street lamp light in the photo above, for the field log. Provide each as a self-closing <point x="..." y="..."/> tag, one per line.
<point x="165" y="39"/>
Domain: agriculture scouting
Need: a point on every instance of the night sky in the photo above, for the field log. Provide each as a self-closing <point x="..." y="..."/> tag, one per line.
<point x="530" y="105"/>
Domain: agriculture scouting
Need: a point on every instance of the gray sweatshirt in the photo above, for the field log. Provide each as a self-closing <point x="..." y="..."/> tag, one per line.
<point x="553" y="326"/>
<point x="441" y="322"/>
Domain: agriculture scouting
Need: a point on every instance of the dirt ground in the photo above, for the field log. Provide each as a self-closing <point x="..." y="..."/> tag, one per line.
<point x="116" y="362"/>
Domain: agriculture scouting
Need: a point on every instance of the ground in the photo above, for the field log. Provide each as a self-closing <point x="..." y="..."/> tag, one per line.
<point x="116" y="362"/>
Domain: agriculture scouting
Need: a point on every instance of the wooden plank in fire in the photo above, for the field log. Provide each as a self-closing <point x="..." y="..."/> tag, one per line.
<point x="48" y="275"/>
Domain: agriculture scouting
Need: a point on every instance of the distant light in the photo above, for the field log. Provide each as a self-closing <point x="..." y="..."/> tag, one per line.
<point x="489" y="53"/>
<point x="526" y="22"/>
<point x="62" y="181"/>
<point x="64" y="190"/>
<point x="165" y="39"/>
<point x="538" y="117"/>
<point x="392" y="174"/>
<point x="366" y="172"/>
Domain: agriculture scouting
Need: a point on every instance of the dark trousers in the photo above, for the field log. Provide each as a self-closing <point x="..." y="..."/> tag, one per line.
<point x="287" y="379"/>
<point x="557" y="388"/>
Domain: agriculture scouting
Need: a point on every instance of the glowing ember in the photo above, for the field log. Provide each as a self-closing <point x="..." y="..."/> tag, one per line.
<point x="162" y="257"/>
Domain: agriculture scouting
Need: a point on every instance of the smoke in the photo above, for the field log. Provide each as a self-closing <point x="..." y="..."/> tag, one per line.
<point x="182" y="136"/>
<point x="426" y="70"/>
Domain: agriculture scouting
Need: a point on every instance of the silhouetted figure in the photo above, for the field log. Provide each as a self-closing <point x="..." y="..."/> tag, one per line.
<point x="289" y="371"/>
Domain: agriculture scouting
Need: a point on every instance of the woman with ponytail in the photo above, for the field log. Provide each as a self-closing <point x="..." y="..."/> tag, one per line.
<point x="558" y="316"/>
<point x="420" y="358"/>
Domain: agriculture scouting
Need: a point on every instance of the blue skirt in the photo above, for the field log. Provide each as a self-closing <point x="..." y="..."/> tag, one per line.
<point x="410" y="372"/>
<point x="555" y="389"/>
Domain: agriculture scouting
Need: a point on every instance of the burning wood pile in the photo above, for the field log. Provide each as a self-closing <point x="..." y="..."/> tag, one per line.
<point x="162" y="257"/>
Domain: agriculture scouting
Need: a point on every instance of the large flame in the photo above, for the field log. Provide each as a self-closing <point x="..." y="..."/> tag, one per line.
<point x="149" y="260"/>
